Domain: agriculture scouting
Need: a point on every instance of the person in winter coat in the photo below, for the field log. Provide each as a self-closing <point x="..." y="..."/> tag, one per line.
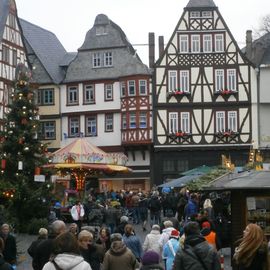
<point x="121" y="227"/>
<point x="152" y="239"/>
<point x="104" y="238"/>
<point x="77" y="213"/>
<point x="66" y="254"/>
<point x="166" y="233"/>
<point x="91" y="252"/>
<point x="252" y="251"/>
<point x="209" y="235"/>
<point x="150" y="261"/>
<point x="170" y="249"/>
<point x="154" y="206"/>
<point x="132" y="241"/>
<point x="191" y="207"/>
<point x="196" y="254"/>
<point x="3" y="264"/>
<point x="119" y="256"/>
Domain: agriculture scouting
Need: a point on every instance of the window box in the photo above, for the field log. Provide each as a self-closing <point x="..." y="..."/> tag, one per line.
<point x="181" y="134"/>
<point x="226" y="92"/>
<point x="178" y="93"/>
<point x="228" y="133"/>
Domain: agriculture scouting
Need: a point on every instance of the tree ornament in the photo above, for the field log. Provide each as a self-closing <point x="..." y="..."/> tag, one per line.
<point x="3" y="164"/>
<point x="20" y="165"/>
<point x="37" y="171"/>
<point x="24" y="121"/>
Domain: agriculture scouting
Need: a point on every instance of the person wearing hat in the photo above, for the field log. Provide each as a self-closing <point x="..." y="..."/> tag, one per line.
<point x="121" y="227"/>
<point x="209" y="235"/>
<point x="196" y="254"/>
<point x="150" y="261"/>
<point x="170" y="249"/>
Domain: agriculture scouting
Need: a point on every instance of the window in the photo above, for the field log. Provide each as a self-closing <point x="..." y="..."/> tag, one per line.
<point x="232" y="121"/>
<point x="45" y="96"/>
<point x="220" y="121"/>
<point x="89" y="94"/>
<point x="12" y="21"/>
<point x="123" y="89"/>
<point x="91" y="125"/>
<point x="96" y="60"/>
<point x="207" y="14"/>
<point x="47" y="130"/>
<point x="101" y="30"/>
<point x="132" y="120"/>
<point x="5" y="54"/>
<point x="108" y="59"/>
<point x="231" y="79"/>
<point x="168" y="165"/>
<point x="14" y="58"/>
<point x="182" y="165"/>
<point x="108" y="122"/>
<point x="185" y="126"/>
<point x="173" y="122"/>
<point x="131" y="88"/>
<point x="195" y="14"/>
<point x="124" y="121"/>
<point x="195" y="43"/>
<point x="219" y="43"/>
<point x="183" y="44"/>
<point x="143" y="120"/>
<point x="172" y="80"/>
<point x="219" y="77"/>
<point x="74" y="126"/>
<point x="73" y="95"/>
<point x="207" y="43"/>
<point x="142" y="87"/>
<point x="184" y="80"/>
<point x="108" y="92"/>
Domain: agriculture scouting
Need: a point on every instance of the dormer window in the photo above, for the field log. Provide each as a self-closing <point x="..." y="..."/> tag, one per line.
<point x="207" y="14"/>
<point x="102" y="59"/>
<point x="101" y="30"/>
<point x="195" y="14"/>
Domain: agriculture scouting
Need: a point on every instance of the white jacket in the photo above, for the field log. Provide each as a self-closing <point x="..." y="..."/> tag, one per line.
<point x="74" y="212"/>
<point x="68" y="262"/>
<point x="151" y="242"/>
<point x="165" y="236"/>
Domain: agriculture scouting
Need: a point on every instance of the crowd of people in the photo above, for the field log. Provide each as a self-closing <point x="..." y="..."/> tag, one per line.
<point x="181" y="234"/>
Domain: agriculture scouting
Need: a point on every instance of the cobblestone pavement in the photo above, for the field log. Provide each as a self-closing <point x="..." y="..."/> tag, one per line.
<point x="24" y="241"/>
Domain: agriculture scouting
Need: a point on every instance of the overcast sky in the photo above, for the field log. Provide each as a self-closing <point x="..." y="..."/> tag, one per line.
<point x="69" y="20"/>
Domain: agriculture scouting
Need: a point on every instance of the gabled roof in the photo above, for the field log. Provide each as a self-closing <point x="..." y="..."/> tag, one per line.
<point x="125" y="60"/>
<point x="47" y="49"/>
<point x="4" y="11"/>
<point x="200" y="4"/>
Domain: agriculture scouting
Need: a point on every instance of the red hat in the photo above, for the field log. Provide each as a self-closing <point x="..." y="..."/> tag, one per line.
<point x="175" y="234"/>
<point x="206" y="224"/>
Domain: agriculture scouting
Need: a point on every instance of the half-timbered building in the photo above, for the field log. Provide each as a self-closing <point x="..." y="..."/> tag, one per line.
<point x="12" y="51"/>
<point x="204" y="95"/>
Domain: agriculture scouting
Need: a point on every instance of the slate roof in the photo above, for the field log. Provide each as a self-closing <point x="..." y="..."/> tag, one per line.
<point x="47" y="49"/>
<point x="125" y="60"/>
<point x="4" y="11"/>
<point x="200" y="4"/>
<point x="245" y="180"/>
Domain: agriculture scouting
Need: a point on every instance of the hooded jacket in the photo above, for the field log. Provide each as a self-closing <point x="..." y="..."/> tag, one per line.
<point x="119" y="256"/>
<point x="68" y="262"/>
<point x="151" y="242"/>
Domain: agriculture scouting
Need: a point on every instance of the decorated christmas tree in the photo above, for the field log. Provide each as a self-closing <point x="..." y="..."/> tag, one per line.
<point x="22" y="153"/>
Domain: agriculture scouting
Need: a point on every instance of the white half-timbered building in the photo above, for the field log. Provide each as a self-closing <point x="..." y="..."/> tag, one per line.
<point x="204" y="95"/>
<point x="12" y="51"/>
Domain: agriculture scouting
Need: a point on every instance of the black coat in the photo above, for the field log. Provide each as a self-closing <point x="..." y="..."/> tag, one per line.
<point x="93" y="255"/>
<point x="10" y="250"/>
<point x="4" y="265"/>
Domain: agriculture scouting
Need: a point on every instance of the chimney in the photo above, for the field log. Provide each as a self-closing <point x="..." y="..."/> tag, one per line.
<point x="161" y="45"/>
<point x="249" y="44"/>
<point x="151" y="38"/>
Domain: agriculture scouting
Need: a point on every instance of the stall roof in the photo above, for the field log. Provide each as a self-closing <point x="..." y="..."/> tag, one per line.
<point x="244" y="180"/>
<point x="188" y="177"/>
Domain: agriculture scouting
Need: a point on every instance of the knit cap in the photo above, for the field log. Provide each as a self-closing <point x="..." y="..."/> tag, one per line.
<point x="150" y="257"/>
<point x="174" y="234"/>
<point x="206" y="224"/>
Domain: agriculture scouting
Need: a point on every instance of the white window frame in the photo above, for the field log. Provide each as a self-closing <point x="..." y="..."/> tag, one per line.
<point x="232" y="121"/>
<point x="74" y="126"/>
<point x="143" y="87"/>
<point x="123" y="89"/>
<point x="143" y="120"/>
<point x="219" y="43"/>
<point x="109" y="122"/>
<point x="194" y="14"/>
<point x="48" y="130"/>
<point x="231" y="79"/>
<point x="132" y="120"/>
<point x="207" y="14"/>
<point x="207" y="44"/>
<point x="172" y="80"/>
<point x="124" y="121"/>
<point x="73" y="93"/>
<point x="184" y="81"/>
<point x="89" y="93"/>
<point x="97" y="60"/>
<point x="220" y="121"/>
<point x="101" y="30"/>
<point x="185" y="122"/>
<point x="173" y="122"/>
<point x="91" y="125"/>
<point x="131" y="88"/>
<point x="108" y="59"/>
<point x="195" y="44"/>
<point x="108" y="92"/>
<point x="183" y="44"/>
<point x="219" y="80"/>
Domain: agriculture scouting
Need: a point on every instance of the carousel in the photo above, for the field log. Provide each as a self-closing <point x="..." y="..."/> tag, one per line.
<point x="81" y="159"/>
